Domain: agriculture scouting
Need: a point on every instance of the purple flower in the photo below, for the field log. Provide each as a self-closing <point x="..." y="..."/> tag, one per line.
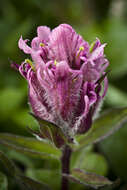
<point x="64" y="77"/>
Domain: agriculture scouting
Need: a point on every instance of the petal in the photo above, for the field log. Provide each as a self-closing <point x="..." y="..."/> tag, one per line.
<point x="101" y="64"/>
<point x="24" y="69"/>
<point x="88" y="98"/>
<point x="98" y="52"/>
<point x="35" y="44"/>
<point x="105" y="87"/>
<point x="95" y="44"/>
<point x="37" y="99"/>
<point x="23" y="46"/>
<point x="62" y="90"/>
<point x="63" y="43"/>
<point x="83" y="123"/>
<point x="86" y="110"/>
<point x="36" y="57"/>
<point x="92" y="97"/>
<point x="44" y="78"/>
<point x="15" y="66"/>
<point x="68" y="84"/>
<point x="99" y="101"/>
<point x="89" y="72"/>
<point x="43" y="33"/>
<point x="89" y="90"/>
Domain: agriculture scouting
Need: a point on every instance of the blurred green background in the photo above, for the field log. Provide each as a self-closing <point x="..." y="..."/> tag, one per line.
<point x="105" y="19"/>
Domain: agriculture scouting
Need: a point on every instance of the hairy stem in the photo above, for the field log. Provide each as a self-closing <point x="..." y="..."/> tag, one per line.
<point x="65" y="161"/>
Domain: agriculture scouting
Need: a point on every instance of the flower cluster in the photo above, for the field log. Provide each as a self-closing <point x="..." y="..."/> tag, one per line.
<point x="65" y="77"/>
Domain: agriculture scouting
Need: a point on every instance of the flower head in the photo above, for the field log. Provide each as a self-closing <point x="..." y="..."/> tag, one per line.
<point x="64" y="77"/>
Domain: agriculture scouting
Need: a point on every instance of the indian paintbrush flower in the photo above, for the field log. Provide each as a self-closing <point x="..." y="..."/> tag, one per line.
<point x="64" y="77"/>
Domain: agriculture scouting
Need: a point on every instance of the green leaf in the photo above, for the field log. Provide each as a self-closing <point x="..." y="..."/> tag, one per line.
<point x="46" y="175"/>
<point x="13" y="171"/>
<point x="31" y="184"/>
<point x="30" y="146"/>
<point x="77" y="156"/>
<point x="10" y="167"/>
<point x="116" y="97"/>
<point x="115" y="151"/>
<point x="104" y="126"/>
<point x="21" y="158"/>
<point x="88" y="179"/>
<point x="88" y="160"/>
<point x="90" y="163"/>
<point x="3" y="182"/>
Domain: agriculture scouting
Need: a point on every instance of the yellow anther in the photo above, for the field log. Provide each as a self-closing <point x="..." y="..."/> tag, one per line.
<point x="42" y="44"/>
<point x="55" y="62"/>
<point x="30" y="63"/>
<point x="81" y="48"/>
<point x="74" y="80"/>
<point x="79" y="51"/>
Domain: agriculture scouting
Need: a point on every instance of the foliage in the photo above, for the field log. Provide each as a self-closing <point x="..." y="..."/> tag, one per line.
<point x="45" y="150"/>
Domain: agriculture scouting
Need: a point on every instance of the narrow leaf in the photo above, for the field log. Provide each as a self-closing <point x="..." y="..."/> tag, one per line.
<point x="10" y="167"/>
<point x="88" y="179"/>
<point x="104" y="126"/>
<point x="24" y="182"/>
<point x="44" y="175"/>
<point x="3" y="182"/>
<point x="31" y="184"/>
<point x="30" y="146"/>
<point x="116" y="97"/>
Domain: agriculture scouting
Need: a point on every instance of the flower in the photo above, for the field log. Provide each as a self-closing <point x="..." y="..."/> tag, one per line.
<point x="65" y="77"/>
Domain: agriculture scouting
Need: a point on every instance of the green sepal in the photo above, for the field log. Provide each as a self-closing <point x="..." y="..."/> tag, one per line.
<point x="52" y="132"/>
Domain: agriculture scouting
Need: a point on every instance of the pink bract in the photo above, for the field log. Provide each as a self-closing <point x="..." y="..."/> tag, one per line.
<point x="63" y="79"/>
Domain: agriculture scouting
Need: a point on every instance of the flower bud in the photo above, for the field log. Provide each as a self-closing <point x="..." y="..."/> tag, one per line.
<point x="64" y="77"/>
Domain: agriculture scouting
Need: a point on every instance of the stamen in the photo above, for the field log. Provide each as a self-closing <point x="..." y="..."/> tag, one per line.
<point x="74" y="80"/>
<point x="42" y="44"/>
<point x="55" y="62"/>
<point x="81" y="48"/>
<point x="79" y="51"/>
<point x="30" y="63"/>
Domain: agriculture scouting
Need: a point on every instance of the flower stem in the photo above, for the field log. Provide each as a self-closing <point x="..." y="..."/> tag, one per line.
<point x="65" y="161"/>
